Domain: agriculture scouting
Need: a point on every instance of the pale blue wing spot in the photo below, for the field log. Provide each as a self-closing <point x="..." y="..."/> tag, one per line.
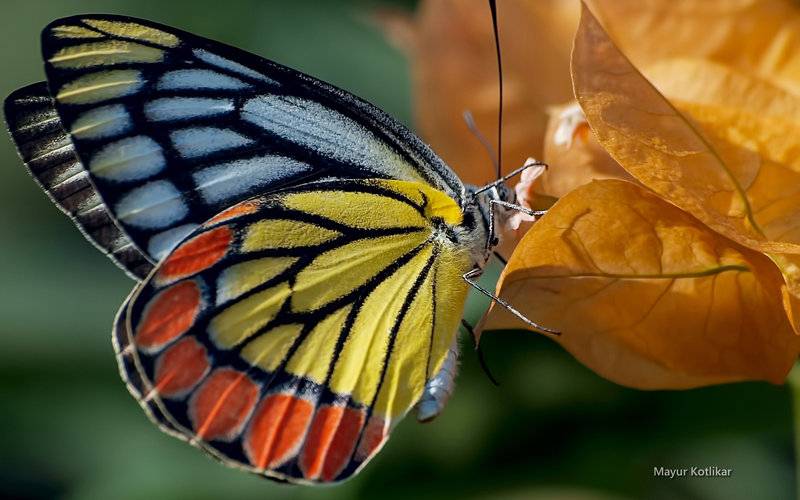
<point x="183" y="79"/>
<point x="183" y="108"/>
<point x="102" y="123"/>
<point x="129" y="159"/>
<point x="228" y="180"/>
<point x="227" y="64"/>
<point x="155" y="205"/>
<point x="199" y="141"/>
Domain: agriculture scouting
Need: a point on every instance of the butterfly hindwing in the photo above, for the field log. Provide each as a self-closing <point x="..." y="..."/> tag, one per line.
<point x="288" y="334"/>
<point x="173" y="128"/>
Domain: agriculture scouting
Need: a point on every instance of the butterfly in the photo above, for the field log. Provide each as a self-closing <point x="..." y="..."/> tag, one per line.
<point x="302" y="259"/>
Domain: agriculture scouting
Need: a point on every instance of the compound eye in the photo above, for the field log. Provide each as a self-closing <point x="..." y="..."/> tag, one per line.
<point x="505" y="193"/>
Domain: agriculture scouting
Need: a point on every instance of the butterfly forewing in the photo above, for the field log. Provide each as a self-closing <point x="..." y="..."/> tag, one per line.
<point x="173" y="128"/>
<point x="287" y="335"/>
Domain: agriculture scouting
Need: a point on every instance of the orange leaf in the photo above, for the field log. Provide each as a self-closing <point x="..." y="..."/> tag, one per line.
<point x="757" y="125"/>
<point x="714" y="161"/>
<point x="746" y="111"/>
<point x="646" y="295"/>
<point x="756" y="36"/>
<point x="454" y="70"/>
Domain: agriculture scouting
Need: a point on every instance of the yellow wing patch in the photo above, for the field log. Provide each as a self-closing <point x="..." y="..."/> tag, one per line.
<point x="358" y="209"/>
<point x="240" y="278"/>
<point x="269" y="349"/>
<point x="359" y="367"/>
<point x="135" y="31"/>
<point x="404" y="370"/>
<point x="321" y="282"/>
<point x="72" y="31"/>
<point x="435" y="203"/>
<point x="281" y="233"/>
<point x="100" y="86"/>
<point x="243" y="319"/>
<point x="319" y="345"/>
<point x="105" y="53"/>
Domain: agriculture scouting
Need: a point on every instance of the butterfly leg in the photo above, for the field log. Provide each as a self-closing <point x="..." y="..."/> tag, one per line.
<point x="518" y="208"/>
<point x="492" y="240"/>
<point x="439" y="389"/>
<point x="470" y="276"/>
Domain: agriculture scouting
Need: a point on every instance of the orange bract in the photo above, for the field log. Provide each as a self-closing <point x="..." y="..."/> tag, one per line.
<point x="754" y="36"/>
<point x="727" y="163"/>
<point x="646" y="295"/>
<point x="689" y="274"/>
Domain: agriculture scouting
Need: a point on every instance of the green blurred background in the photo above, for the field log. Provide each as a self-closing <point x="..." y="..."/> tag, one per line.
<point x="552" y="430"/>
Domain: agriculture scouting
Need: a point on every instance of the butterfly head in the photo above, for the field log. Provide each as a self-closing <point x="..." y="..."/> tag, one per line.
<point x="489" y="216"/>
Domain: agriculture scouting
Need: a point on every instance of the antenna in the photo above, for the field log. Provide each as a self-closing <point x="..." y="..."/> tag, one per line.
<point x="473" y="127"/>
<point x="493" y="8"/>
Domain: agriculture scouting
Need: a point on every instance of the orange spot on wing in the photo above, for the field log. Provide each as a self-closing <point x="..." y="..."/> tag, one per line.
<point x="180" y="367"/>
<point x="243" y="208"/>
<point x="330" y="442"/>
<point x="195" y="255"/>
<point x="276" y="430"/>
<point x="373" y="437"/>
<point x="220" y="407"/>
<point x="168" y="315"/>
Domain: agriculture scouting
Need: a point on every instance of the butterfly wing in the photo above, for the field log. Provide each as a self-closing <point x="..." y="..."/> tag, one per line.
<point x="173" y="128"/>
<point x="288" y="334"/>
<point x="50" y="157"/>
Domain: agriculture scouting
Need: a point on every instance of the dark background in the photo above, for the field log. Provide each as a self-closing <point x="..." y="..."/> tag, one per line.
<point x="552" y="430"/>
